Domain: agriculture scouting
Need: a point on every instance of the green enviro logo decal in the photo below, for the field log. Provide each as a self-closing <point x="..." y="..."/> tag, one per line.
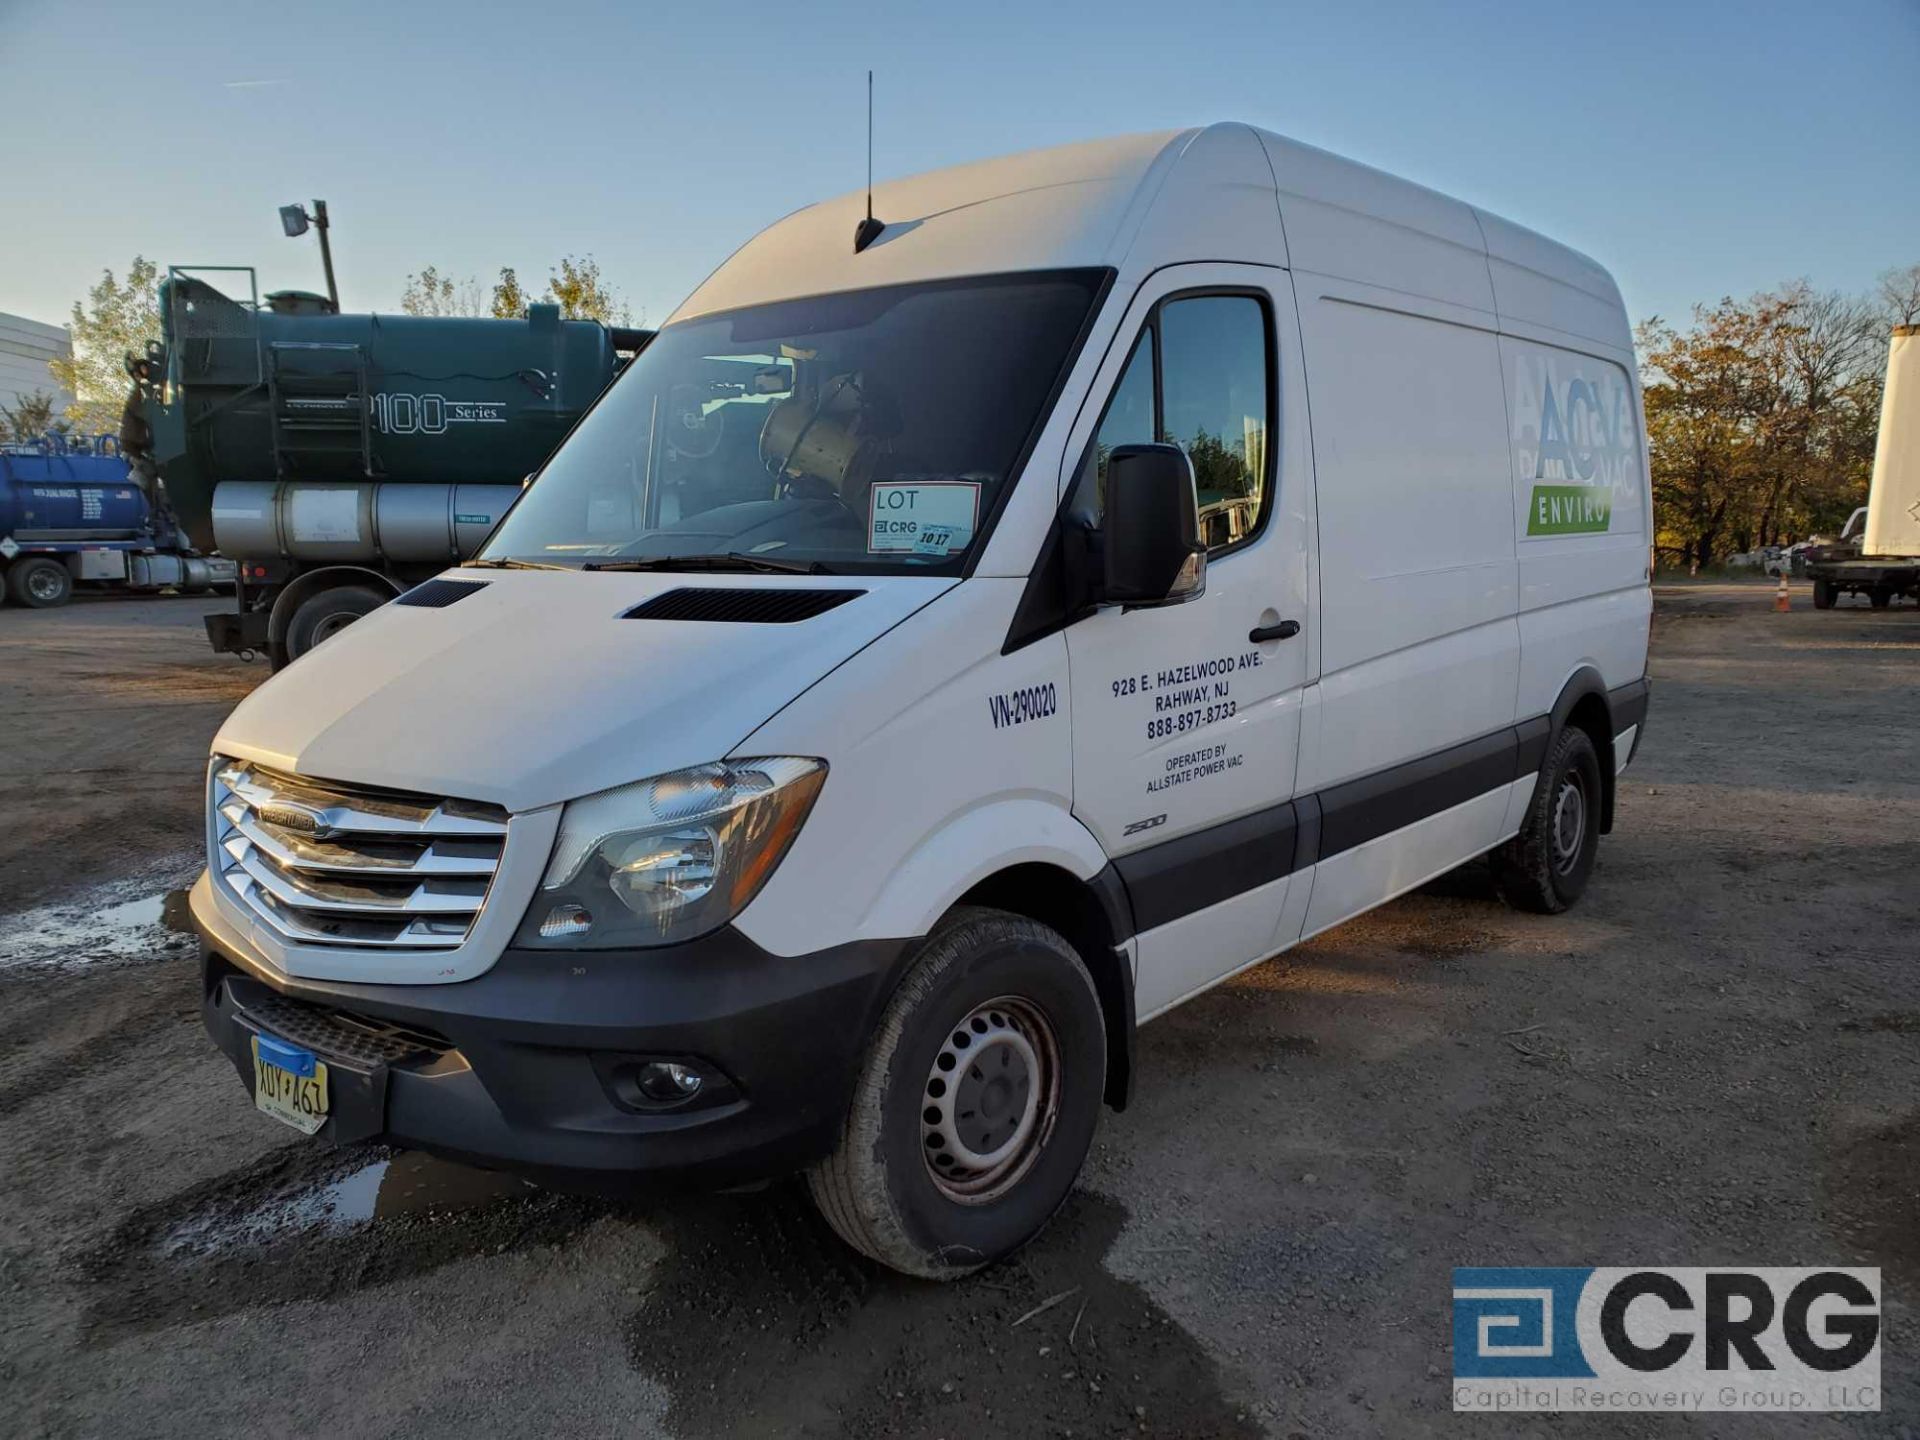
<point x="1570" y="510"/>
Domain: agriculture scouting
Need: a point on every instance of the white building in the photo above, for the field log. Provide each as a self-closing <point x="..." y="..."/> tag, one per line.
<point x="25" y="348"/>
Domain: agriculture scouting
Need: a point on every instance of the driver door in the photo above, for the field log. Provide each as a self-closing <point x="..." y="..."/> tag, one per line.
<point x="1186" y="718"/>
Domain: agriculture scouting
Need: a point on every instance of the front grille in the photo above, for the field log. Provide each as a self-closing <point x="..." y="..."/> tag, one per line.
<point x="336" y="1033"/>
<point x="330" y="865"/>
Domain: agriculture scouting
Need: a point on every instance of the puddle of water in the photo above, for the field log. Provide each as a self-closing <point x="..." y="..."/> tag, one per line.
<point x="407" y="1183"/>
<point x="98" y="928"/>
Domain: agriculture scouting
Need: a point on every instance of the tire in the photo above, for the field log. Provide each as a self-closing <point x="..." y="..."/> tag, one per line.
<point x="322" y="616"/>
<point x="986" y="983"/>
<point x="1546" y="866"/>
<point x="1880" y="596"/>
<point x="39" y="583"/>
<point x="1823" y="595"/>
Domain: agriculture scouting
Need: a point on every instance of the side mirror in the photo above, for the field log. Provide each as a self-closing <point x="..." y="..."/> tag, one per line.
<point x="1151" y="551"/>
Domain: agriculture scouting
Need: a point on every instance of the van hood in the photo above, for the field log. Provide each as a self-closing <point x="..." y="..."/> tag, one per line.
<point x="534" y="689"/>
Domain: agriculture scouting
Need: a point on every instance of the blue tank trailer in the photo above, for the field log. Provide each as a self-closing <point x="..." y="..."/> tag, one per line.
<point x="74" y="515"/>
<point x="343" y="458"/>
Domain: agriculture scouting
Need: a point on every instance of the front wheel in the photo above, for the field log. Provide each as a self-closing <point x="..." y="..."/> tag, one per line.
<point x="1546" y="866"/>
<point x="40" y="582"/>
<point x="976" y="1103"/>
<point x="1880" y="596"/>
<point x="1823" y="595"/>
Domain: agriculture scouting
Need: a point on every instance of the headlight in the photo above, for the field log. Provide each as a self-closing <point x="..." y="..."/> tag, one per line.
<point x="666" y="859"/>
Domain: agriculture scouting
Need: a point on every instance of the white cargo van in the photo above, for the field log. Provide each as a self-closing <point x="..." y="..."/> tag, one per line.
<point x="953" y="642"/>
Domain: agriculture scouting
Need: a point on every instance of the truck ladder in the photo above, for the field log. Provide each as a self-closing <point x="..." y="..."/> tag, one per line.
<point x="321" y="407"/>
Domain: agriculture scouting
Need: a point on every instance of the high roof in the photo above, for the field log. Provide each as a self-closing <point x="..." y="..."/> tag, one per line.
<point x="1136" y="202"/>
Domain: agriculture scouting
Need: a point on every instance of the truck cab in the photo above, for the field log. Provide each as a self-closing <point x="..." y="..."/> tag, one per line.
<point x="942" y="651"/>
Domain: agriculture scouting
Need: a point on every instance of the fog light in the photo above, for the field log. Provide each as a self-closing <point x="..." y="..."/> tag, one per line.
<point x="565" y="921"/>
<point x="665" y="1082"/>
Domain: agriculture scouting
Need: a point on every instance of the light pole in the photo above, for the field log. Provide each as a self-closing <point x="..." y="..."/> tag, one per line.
<point x="294" y="220"/>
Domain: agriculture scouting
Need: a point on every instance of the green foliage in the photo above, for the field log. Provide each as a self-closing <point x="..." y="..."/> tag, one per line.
<point x="116" y="320"/>
<point x="1219" y="468"/>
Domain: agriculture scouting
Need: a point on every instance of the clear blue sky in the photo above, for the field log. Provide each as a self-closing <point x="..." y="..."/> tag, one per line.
<point x="1696" y="147"/>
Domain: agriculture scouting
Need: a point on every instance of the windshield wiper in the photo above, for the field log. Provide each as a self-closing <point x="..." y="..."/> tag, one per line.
<point x="510" y="564"/>
<point x="732" y="560"/>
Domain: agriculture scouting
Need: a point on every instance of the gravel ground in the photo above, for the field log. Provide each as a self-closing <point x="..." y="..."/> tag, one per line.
<point x="1709" y="1061"/>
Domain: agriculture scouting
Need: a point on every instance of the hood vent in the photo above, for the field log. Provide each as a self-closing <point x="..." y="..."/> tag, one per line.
<point x="741" y="607"/>
<point x="438" y="594"/>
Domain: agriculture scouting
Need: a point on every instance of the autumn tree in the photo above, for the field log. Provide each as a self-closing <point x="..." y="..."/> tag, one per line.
<point x="431" y="293"/>
<point x="28" y="418"/>
<point x="1760" y="418"/>
<point x="576" y="287"/>
<point x="118" y="318"/>
<point x="509" y="300"/>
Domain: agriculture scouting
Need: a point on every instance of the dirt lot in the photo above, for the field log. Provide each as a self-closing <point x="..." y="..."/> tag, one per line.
<point x="1710" y="1061"/>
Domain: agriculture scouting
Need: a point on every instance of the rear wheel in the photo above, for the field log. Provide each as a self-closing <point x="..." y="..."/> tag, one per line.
<point x="1880" y="596"/>
<point x="1546" y="866"/>
<point x="976" y="1103"/>
<point x="40" y="582"/>
<point x="1823" y="595"/>
<point x="321" y="617"/>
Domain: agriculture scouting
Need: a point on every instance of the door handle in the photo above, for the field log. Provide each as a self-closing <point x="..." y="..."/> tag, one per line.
<point x="1285" y="630"/>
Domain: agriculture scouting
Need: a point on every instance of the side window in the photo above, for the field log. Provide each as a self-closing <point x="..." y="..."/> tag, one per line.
<point x="1210" y="355"/>
<point x="1213" y="405"/>
<point x="1129" y="421"/>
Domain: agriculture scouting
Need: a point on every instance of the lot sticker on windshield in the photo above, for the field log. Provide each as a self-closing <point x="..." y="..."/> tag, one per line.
<point x="926" y="516"/>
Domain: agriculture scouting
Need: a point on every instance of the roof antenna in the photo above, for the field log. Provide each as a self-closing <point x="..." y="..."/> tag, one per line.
<point x="868" y="230"/>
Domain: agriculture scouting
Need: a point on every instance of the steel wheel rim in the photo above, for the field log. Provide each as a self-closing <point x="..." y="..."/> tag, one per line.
<point x="1569" y="823"/>
<point x="43" y="584"/>
<point x="332" y="626"/>
<point x="990" y="1100"/>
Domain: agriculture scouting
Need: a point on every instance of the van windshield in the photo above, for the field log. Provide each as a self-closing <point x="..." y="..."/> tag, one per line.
<point x="866" y="431"/>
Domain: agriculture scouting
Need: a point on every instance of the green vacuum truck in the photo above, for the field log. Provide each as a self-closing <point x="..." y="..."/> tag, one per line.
<point x="340" y="459"/>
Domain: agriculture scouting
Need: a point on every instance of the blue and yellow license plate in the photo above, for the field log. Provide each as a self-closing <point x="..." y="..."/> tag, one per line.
<point x="289" y="1083"/>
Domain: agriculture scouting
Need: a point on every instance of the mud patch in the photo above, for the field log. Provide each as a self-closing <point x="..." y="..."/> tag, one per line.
<point x="1890" y="1022"/>
<point x="106" y="925"/>
<point x="311" y="1223"/>
<point x="761" y="1323"/>
<point x="1447" y="940"/>
<point x="1874" y="1190"/>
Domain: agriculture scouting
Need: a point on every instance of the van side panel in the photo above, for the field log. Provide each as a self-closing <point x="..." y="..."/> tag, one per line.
<point x="1418" y="589"/>
<point x="1580" y="517"/>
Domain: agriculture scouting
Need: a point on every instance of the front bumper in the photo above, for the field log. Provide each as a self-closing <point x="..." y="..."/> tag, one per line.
<point x="529" y="1066"/>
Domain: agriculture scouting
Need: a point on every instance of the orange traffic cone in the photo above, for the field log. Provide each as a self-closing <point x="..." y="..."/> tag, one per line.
<point x="1781" y="602"/>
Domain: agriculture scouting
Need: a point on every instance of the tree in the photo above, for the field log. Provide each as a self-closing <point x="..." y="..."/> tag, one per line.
<point x="28" y="418"/>
<point x="1760" y="419"/>
<point x="1900" y="295"/>
<point x="509" y="300"/>
<point x="431" y="293"/>
<point x="117" y="319"/>
<point x="576" y="287"/>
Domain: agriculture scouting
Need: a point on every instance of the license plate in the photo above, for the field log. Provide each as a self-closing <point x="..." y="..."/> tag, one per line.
<point x="289" y="1083"/>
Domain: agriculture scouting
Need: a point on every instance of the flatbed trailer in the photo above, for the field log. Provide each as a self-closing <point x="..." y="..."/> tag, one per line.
<point x="1881" y="578"/>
